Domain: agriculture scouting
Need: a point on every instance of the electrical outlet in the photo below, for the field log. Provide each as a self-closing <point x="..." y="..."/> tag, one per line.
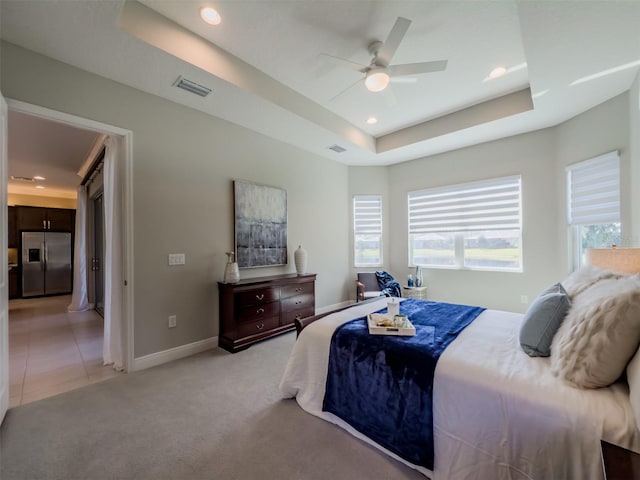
<point x="176" y="259"/>
<point x="172" y="321"/>
<point x="524" y="299"/>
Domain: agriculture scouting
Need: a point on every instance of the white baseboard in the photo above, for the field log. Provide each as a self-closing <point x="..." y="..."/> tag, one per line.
<point x="172" y="354"/>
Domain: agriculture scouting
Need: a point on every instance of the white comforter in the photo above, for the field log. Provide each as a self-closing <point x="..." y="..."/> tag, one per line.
<point x="498" y="414"/>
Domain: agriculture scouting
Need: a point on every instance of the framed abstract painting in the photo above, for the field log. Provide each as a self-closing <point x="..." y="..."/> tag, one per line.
<point x="260" y="225"/>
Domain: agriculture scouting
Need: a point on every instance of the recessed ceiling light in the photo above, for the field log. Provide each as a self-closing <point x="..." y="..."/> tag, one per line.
<point x="39" y="186"/>
<point x="497" y="72"/>
<point x="372" y="120"/>
<point x="210" y="15"/>
<point x="38" y="177"/>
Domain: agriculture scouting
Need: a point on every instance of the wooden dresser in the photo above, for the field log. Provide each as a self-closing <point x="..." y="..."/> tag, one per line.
<point x="258" y="308"/>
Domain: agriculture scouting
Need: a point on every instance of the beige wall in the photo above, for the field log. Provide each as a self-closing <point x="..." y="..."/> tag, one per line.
<point x="369" y="181"/>
<point x="634" y="160"/>
<point x="532" y="157"/>
<point x="185" y="161"/>
<point x="540" y="158"/>
<point x="600" y="130"/>
<point x="183" y="165"/>
<point x="40" y="201"/>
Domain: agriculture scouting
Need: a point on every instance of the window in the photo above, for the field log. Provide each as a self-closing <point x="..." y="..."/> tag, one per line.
<point x="367" y="230"/>
<point x="475" y="225"/>
<point x="593" y="198"/>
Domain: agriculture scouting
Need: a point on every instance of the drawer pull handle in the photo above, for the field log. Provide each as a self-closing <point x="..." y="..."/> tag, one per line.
<point x="260" y="311"/>
<point x="260" y="297"/>
<point x="298" y="289"/>
<point x="298" y="302"/>
<point x="260" y="327"/>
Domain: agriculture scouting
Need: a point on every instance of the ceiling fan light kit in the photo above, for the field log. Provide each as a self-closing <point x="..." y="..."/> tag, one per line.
<point x="380" y="72"/>
<point x="377" y="79"/>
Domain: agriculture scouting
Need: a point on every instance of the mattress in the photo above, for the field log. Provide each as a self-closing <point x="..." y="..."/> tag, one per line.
<point x="498" y="413"/>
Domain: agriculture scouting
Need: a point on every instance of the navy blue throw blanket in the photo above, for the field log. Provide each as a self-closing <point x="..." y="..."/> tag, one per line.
<point x="388" y="286"/>
<point x="382" y="385"/>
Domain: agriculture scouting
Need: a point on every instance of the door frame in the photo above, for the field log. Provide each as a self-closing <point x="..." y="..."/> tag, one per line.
<point x="4" y="275"/>
<point x="127" y="190"/>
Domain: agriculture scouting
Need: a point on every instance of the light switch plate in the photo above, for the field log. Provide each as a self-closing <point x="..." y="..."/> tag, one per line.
<point x="176" y="259"/>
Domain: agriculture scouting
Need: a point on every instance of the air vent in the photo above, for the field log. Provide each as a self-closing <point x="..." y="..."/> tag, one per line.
<point x="192" y="87"/>
<point x="337" y="148"/>
<point x="21" y="179"/>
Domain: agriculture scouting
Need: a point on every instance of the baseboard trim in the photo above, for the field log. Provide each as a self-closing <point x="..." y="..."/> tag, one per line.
<point x="158" y="358"/>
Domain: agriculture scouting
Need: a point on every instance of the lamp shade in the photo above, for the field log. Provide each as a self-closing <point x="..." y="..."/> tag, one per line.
<point x="377" y="79"/>
<point x="623" y="260"/>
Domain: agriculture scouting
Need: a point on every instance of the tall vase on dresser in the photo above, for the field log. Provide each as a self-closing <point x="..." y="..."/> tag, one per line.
<point x="300" y="259"/>
<point x="231" y="271"/>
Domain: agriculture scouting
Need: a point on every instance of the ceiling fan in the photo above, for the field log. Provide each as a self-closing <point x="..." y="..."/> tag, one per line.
<point x="379" y="72"/>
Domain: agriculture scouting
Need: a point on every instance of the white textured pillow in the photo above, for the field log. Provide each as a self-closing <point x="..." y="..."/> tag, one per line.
<point x="633" y="378"/>
<point x="585" y="277"/>
<point x="600" y="333"/>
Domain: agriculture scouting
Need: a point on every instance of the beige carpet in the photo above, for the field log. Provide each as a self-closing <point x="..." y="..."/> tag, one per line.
<point x="211" y="416"/>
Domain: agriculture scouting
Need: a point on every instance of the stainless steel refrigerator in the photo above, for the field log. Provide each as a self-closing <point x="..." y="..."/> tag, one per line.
<point x="46" y="263"/>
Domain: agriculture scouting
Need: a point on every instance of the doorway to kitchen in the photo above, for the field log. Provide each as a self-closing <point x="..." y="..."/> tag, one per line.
<point x="72" y="347"/>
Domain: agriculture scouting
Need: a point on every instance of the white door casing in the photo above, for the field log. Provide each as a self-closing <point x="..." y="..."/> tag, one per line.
<point x="4" y="276"/>
<point x="126" y="166"/>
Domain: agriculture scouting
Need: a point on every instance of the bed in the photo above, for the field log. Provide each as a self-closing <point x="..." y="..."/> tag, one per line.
<point x="497" y="412"/>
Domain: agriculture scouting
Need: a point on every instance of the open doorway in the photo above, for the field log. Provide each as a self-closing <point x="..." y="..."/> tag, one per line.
<point x="44" y="320"/>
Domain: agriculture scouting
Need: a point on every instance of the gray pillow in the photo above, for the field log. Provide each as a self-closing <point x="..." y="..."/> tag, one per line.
<point x="542" y="320"/>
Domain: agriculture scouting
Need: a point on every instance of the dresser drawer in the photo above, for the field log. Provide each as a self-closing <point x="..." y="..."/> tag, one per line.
<point x="257" y="327"/>
<point x="258" y="312"/>
<point x="298" y="289"/>
<point x="298" y="302"/>
<point x="289" y="317"/>
<point x="257" y="297"/>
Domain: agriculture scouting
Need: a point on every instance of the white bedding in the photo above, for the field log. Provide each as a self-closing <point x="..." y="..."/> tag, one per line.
<point x="498" y="413"/>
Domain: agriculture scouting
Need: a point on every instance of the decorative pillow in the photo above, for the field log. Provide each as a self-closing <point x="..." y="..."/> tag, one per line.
<point x="600" y="333"/>
<point x="585" y="277"/>
<point x="542" y="320"/>
<point x="633" y="378"/>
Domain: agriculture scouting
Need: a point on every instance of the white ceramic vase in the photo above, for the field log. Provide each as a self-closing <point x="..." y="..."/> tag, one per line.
<point x="231" y="271"/>
<point x="300" y="259"/>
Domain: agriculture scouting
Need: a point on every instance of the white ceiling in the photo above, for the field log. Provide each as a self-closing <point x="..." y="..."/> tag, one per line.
<point x="264" y="64"/>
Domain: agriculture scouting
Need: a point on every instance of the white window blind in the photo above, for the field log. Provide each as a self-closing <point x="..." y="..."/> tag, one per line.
<point x="479" y="206"/>
<point x="593" y="188"/>
<point x="367" y="215"/>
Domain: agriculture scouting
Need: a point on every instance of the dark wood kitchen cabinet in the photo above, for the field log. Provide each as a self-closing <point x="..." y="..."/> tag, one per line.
<point x="41" y="218"/>
<point x="12" y="226"/>
<point x="258" y="308"/>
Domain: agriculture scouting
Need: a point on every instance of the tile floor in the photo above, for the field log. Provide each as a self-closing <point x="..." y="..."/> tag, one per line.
<point x="51" y="350"/>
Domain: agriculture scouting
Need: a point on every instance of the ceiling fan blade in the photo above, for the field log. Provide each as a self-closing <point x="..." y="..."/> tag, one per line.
<point x="345" y="63"/>
<point x="403" y="79"/>
<point x="417" y="68"/>
<point x="332" y="99"/>
<point x="391" y="44"/>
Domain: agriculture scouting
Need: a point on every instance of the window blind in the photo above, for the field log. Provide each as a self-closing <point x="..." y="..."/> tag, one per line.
<point x="479" y="206"/>
<point x="593" y="188"/>
<point x="367" y="215"/>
